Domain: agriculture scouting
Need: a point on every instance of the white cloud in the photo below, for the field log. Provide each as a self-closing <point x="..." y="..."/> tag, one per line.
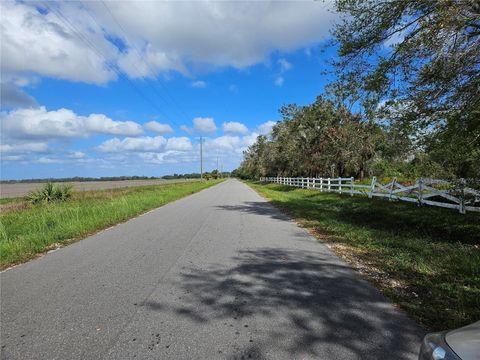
<point x="199" y="84"/>
<point x="235" y="144"/>
<point x="158" y="37"/>
<point x="148" y="62"/>
<point x="204" y="124"/>
<point x="226" y="142"/>
<point x="157" y="127"/>
<point x="234" y="127"/>
<point x="13" y="158"/>
<point x="13" y="97"/>
<point x="250" y="139"/>
<point x="284" y="65"/>
<point x="75" y="155"/>
<point x="179" y="144"/>
<point x="63" y="123"/>
<point x="266" y="127"/>
<point x="187" y="129"/>
<point x="157" y="158"/>
<point x="157" y="144"/>
<point x="46" y="44"/>
<point x="168" y="157"/>
<point x="145" y="143"/>
<point x="279" y="81"/>
<point x="37" y="147"/>
<point x="48" y="160"/>
<point x="190" y="30"/>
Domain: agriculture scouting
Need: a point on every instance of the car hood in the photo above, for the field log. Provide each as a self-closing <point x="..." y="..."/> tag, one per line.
<point x="465" y="341"/>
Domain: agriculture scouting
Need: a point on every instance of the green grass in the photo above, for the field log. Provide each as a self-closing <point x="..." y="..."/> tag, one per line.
<point x="10" y="200"/>
<point x="26" y="230"/>
<point x="427" y="260"/>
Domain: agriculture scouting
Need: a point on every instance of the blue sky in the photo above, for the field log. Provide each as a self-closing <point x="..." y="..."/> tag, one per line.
<point x="119" y="88"/>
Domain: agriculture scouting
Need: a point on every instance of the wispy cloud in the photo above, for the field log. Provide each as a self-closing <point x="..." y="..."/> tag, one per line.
<point x="279" y="81"/>
<point x="157" y="127"/>
<point x="199" y="84"/>
<point x="234" y="127"/>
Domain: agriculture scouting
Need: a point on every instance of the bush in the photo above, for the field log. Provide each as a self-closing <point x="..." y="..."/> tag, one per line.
<point x="50" y="192"/>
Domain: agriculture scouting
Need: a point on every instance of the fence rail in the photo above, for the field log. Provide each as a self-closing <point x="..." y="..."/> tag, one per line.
<point x="432" y="192"/>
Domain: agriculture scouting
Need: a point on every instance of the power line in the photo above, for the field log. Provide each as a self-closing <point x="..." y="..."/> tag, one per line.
<point x="146" y="63"/>
<point x="74" y="29"/>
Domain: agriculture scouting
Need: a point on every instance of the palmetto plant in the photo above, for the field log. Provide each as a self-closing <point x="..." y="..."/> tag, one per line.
<point x="50" y="192"/>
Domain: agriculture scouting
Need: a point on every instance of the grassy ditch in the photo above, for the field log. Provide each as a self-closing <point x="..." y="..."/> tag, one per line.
<point x="427" y="260"/>
<point x="26" y="229"/>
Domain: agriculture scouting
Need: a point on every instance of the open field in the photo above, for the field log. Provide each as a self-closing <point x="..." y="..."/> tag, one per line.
<point x="21" y="189"/>
<point x="26" y="230"/>
<point x="426" y="260"/>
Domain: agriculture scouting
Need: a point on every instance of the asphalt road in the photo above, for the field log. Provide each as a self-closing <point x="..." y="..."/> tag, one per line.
<point x="220" y="274"/>
<point x="10" y="190"/>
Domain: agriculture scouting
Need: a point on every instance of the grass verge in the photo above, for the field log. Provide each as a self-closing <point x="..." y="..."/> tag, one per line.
<point x="26" y="230"/>
<point x="426" y="260"/>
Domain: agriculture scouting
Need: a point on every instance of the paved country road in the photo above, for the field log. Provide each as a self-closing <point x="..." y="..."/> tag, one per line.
<point x="220" y="274"/>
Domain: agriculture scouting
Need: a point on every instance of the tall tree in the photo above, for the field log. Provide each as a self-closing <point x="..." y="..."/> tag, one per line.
<point x="416" y="60"/>
<point x="321" y="139"/>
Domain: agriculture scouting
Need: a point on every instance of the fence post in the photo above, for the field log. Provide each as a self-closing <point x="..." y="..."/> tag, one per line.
<point x="321" y="184"/>
<point x="461" y="206"/>
<point x="302" y="182"/>
<point x="308" y="182"/>
<point x="328" y="182"/>
<point x="351" y="186"/>
<point x="340" y="185"/>
<point x="372" y="187"/>
<point x="394" y="181"/>
<point x="420" y="192"/>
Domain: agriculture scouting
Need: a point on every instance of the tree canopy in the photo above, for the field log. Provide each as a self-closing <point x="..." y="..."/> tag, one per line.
<point x="405" y="100"/>
<point x="322" y="139"/>
<point x="414" y="61"/>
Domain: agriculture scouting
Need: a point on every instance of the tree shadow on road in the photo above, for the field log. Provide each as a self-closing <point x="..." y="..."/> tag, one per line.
<point x="257" y="208"/>
<point x="320" y="307"/>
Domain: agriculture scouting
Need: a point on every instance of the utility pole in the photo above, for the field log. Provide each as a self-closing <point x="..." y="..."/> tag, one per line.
<point x="217" y="164"/>
<point x="201" y="157"/>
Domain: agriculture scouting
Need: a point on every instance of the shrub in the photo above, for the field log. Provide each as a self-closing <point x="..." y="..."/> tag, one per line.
<point x="50" y="192"/>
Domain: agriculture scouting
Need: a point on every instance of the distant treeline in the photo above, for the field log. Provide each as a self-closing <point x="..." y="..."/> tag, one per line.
<point x="182" y="176"/>
<point x="207" y="175"/>
<point x="103" y="178"/>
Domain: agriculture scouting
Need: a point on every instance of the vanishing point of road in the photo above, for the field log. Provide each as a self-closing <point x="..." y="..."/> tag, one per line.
<point x="220" y="274"/>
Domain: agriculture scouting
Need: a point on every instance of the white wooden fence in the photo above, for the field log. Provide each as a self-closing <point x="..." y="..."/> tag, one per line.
<point x="423" y="192"/>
